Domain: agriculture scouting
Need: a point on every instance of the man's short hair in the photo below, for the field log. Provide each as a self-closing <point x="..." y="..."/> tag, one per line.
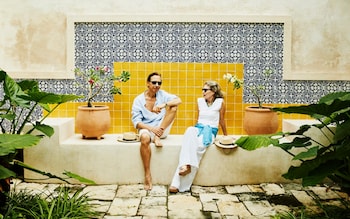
<point x="153" y="74"/>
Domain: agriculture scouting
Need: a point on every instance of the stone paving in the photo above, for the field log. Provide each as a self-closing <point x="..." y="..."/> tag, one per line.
<point x="230" y="202"/>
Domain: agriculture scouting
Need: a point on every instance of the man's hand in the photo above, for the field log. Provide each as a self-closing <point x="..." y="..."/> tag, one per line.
<point x="158" y="131"/>
<point x="158" y="108"/>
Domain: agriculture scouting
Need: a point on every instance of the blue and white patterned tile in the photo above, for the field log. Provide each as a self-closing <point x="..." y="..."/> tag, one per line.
<point x="257" y="45"/>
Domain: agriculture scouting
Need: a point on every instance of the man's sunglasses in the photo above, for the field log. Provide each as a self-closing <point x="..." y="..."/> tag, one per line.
<point x="156" y="82"/>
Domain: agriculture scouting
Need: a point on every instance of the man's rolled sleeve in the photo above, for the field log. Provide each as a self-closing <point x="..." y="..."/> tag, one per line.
<point x="136" y="113"/>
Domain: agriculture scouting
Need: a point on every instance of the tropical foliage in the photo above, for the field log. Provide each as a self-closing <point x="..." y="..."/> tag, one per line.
<point x="316" y="160"/>
<point x="18" y="104"/>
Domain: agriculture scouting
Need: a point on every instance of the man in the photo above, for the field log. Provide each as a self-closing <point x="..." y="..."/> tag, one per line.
<point x="153" y="113"/>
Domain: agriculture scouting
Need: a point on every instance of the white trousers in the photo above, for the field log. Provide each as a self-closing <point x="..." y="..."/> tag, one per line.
<point x="192" y="151"/>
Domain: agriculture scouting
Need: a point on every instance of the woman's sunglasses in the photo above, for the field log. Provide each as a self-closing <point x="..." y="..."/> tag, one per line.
<point x="205" y="89"/>
<point x="156" y="82"/>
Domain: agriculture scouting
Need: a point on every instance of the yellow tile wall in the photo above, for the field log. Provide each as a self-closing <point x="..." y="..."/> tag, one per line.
<point x="182" y="79"/>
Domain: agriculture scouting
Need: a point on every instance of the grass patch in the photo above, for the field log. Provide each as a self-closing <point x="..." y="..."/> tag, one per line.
<point x="327" y="212"/>
<point x="63" y="203"/>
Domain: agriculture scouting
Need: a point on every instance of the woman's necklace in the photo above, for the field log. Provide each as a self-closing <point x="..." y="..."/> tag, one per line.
<point x="209" y="103"/>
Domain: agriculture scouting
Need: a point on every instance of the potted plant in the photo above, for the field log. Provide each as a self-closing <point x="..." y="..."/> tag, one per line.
<point x="18" y="103"/>
<point x="258" y="119"/>
<point x="316" y="159"/>
<point x="94" y="120"/>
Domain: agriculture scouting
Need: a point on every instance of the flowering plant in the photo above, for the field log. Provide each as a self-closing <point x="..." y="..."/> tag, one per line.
<point x="95" y="79"/>
<point x="255" y="89"/>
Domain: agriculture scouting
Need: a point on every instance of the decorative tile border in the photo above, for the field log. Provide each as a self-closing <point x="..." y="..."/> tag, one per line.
<point x="219" y="39"/>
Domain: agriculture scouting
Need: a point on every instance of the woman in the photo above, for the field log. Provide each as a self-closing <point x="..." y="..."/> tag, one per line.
<point x="211" y="113"/>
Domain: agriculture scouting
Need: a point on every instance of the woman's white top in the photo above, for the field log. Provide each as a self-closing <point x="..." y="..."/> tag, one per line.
<point x="209" y="115"/>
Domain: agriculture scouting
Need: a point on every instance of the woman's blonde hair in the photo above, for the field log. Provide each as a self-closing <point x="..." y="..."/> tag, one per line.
<point x="215" y="87"/>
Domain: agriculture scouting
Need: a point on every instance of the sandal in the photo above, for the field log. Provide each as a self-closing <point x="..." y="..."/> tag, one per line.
<point x="184" y="170"/>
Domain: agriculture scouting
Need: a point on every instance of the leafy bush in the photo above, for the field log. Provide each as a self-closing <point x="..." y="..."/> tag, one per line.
<point x="18" y="102"/>
<point x="317" y="160"/>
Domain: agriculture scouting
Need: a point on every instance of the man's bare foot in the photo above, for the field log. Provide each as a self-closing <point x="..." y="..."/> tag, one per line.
<point x="148" y="183"/>
<point x="157" y="142"/>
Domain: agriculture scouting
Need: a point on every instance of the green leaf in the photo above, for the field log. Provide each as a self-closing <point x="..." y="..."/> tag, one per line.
<point x="45" y="107"/>
<point x="9" y="142"/>
<point x="329" y="98"/>
<point x="323" y="164"/>
<point x="50" y="98"/>
<point x="2" y="75"/>
<point x="296" y="142"/>
<point x="342" y="131"/>
<point x="77" y="177"/>
<point x="26" y="166"/>
<point x="69" y="174"/>
<point x="13" y="92"/>
<point x="47" y="130"/>
<point x="253" y="142"/>
<point x="317" y="110"/>
<point x="6" y="173"/>
<point x="302" y="129"/>
<point x="321" y="172"/>
<point x="29" y="86"/>
<point x="6" y="150"/>
<point x="318" y="162"/>
<point x="8" y="116"/>
<point x="115" y="90"/>
<point x="62" y="98"/>
<point x="69" y="97"/>
<point x="311" y="152"/>
<point x="298" y="172"/>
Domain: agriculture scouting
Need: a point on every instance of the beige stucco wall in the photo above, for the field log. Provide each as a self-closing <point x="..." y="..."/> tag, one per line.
<point x="33" y="32"/>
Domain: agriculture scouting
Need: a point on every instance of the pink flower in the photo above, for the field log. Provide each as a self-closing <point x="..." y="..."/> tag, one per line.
<point x="96" y="78"/>
<point x="106" y="69"/>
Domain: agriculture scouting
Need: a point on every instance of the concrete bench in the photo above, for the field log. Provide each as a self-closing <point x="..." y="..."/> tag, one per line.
<point x="109" y="161"/>
<point x="323" y="136"/>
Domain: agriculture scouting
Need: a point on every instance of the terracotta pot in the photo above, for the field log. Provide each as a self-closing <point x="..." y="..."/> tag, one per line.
<point x="93" y="122"/>
<point x="258" y="121"/>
